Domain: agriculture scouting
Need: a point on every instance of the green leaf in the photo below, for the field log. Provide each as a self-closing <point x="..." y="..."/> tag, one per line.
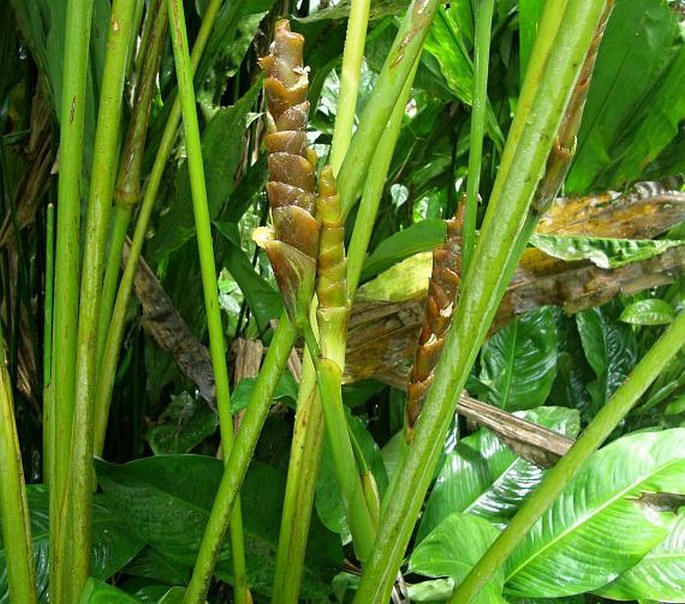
<point x="610" y="348"/>
<point x="184" y="424"/>
<point x="419" y="237"/>
<point x="223" y="142"/>
<point x="519" y="362"/>
<point x="114" y="543"/>
<point x="286" y="389"/>
<point x="167" y="500"/>
<point x="603" y="252"/>
<point x="452" y="550"/>
<point x="435" y="591"/>
<point x="530" y="13"/>
<point x="596" y="529"/>
<point x="264" y="301"/>
<point x="648" y="312"/>
<point x="152" y="564"/>
<point x="660" y="575"/>
<point x="636" y="48"/>
<point x="97" y="592"/>
<point x="657" y="124"/>
<point x="403" y="281"/>
<point x="484" y="477"/>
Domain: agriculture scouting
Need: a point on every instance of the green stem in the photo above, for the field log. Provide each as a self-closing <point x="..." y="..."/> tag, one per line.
<point x="480" y="102"/>
<point x="110" y="357"/>
<point x="127" y="191"/>
<point x="349" y="81"/>
<point x="303" y="468"/>
<point x="373" y="189"/>
<point x="236" y="466"/>
<point x="556" y="479"/>
<point x="105" y="162"/>
<point x="400" y="61"/>
<point x="72" y="115"/>
<point x="556" y="62"/>
<point x="48" y="398"/>
<point x="14" y="509"/>
<point x="217" y="350"/>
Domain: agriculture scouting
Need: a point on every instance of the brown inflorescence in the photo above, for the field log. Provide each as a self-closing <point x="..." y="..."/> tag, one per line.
<point x="442" y="293"/>
<point x="294" y="248"/>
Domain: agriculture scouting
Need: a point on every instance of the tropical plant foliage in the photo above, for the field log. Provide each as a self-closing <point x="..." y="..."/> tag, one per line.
<point x="321" y="453"/>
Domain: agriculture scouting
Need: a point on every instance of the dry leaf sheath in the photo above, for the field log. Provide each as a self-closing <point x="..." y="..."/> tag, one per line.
<point x="442" y="292"/>
<point x="294" y="246"/>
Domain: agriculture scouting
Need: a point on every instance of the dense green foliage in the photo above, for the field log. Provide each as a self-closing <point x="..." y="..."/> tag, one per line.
<point x="616" y="531"/>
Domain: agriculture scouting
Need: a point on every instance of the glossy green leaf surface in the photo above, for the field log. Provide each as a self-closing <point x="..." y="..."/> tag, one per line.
<point x="611" y="350"/>
<point x="648" y="312"/>
<point x="596" y="529"/>
<point x="286" y="390"/>
<point x="419" y="237"/>
<point x="184" y="424"/>
<point x="660" y="575"/>
<point x="602" y="251"/>
<point x="97" y="592"/>
<point x="484" y="477"/>
<point x="167" y="499"/>
<point x="114" y="542"/>
<point x="636" y="49"/>
<point x="451" y="550"/>
<point x="519" y="362"/>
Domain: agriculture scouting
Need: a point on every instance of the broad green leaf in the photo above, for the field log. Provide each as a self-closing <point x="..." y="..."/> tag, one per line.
<point x="648" y="312"/>
<point x="596" y="529"/>
<point x="657" y="124"/>
<point x="152" y="564"/>
<point x="660" y="575"/>
<point x="434" y="591"/>
<point x="403" y="281"/>
<point x="97" y="592"/>
<point x="636" y="48"/>
<point x="184" y="424"/>
<point x="223" y="141"/>
<point x="452" y="549"/>
<point x="519" y="363"/>
<point x="167" y="499"/>
<point x="603" y="252"/>
<point x="114" y="542"/>
<point x="419" y="237"/>
<point x="484" y="477"/>
<point x="173" y="596"/>
<point x="610" y="348"/>
<point x="240" y="397"/>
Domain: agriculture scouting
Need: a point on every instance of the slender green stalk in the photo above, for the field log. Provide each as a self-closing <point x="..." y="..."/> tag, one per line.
<point x="373" y="189"/>
<point x="403" y="53"/>
<point x="127" y="191"/>
<point x="353" y="55"/>
<point x="556" y="479"/>
<point x="105" y="162"/>
<point x="48" y="399"/>
<point x="217" y="350"/>
<point x="303" y="468"/>
<point x="110" y="357"/>
<point x="555" y="66"/>
<point x="484" y="12"/>
<point x="14" y="509"/>
<point x="72" y="115"/>
<point x="236" y="466"/>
